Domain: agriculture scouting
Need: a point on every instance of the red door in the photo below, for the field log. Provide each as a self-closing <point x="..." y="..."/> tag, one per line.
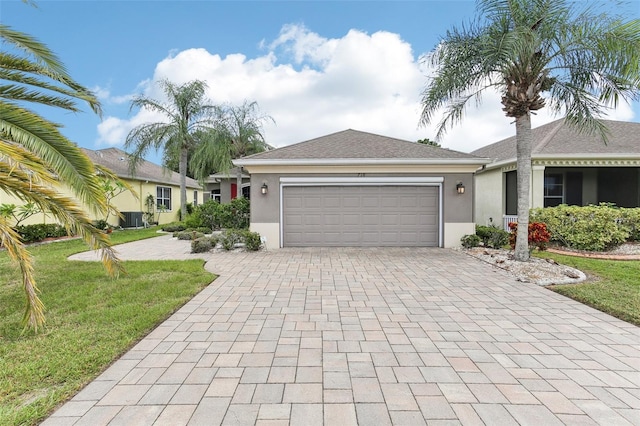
<point x="234" y="191"/>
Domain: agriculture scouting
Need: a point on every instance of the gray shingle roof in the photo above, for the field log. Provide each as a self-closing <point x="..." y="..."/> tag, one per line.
<point x="556" y="138"/>
<point x="117" y="161"/>
<point x="356" y="145"/>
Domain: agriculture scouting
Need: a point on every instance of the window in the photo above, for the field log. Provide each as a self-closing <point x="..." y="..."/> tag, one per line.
<point x="215" y="194"/>
<point x="195" y="198"/>
<point x="163" y="198"/>
<point x="553" y="190"/>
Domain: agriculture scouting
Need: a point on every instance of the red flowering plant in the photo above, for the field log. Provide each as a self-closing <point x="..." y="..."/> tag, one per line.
<point x="539" y="236"/>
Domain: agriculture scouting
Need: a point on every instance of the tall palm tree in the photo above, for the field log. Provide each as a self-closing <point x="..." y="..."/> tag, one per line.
<point x="35" y="156"/>
<point x="536" y="53"/>
<point x="237" y="132"/>
<point x="188" y="117"/>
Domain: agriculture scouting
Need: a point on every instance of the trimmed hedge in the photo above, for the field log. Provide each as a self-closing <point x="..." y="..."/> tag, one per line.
<point x="40" y="231"/>
<point x="592" y="228"/>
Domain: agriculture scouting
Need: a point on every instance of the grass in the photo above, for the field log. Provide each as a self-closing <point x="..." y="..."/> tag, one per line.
<point x="91" y="320"/>
<point x="614" y="287"/>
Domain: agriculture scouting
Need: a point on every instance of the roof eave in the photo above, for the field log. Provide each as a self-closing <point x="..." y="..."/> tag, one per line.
<point x="362" y="161"/>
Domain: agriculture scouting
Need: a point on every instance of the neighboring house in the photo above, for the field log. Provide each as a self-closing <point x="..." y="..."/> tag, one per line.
<point x="149" y="180"/>
<point x="354" y="188"/>
<point x="223" y="187"/>
<point x="567" y="167"/>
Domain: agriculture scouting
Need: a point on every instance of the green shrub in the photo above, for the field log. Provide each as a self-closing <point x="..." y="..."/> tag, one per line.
<point x="101" y="224"/>
<point x="538" y="235"/>
<point x="40" y="231"/>
<point x="201" y="245"/>
<point x="188" y="235"/>
<point x="492" y="236"/>
<point x="252" y="241"/>
<point x="202" y="229"/>
<point x="239" y="214"/>
<point x="212" y="214"/>
<point x="173" y="227"/>
<point x="630" y="219"/>
<point x="469" y="241"/>
<point x="593" y="228"/>
<point x="194" y="220"/>
<point x="231" y="237"/>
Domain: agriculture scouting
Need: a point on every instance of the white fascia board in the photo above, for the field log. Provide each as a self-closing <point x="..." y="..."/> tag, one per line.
<point x="364" y="181"/>
<point x="561" y="157"/>
<point x="589" y="156"/>
<point x="363" y="161"/>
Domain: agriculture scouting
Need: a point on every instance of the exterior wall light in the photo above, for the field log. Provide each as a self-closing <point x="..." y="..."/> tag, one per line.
<point x="460" y="188"/>
<point x="264" y="189"/>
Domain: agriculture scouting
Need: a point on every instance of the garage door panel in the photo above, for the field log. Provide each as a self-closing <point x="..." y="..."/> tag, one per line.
<point x="360" y="216"/>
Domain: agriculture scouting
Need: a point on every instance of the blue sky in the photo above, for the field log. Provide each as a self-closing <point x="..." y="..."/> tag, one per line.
<point x="315" y="67"/>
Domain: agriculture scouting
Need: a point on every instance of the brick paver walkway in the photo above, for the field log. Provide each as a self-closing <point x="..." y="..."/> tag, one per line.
<point x="367" y="336"/>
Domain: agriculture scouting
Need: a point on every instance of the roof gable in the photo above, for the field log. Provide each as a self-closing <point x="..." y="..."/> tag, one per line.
<point x="117" y="161"/>
<point x="556" y="138"/>
<point x="356" y="145"/>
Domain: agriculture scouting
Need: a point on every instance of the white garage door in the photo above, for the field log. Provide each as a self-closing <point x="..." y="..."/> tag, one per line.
<point x="360" y="216"/>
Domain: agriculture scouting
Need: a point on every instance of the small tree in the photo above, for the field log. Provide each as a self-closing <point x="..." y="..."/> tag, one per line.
<point x="19" y="213"/>
<point x="112" y="188"/>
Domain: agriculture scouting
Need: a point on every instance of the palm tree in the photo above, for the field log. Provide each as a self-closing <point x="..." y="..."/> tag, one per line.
<point x="35" y="156"/>
<point x="238" y="132"/>
<point x="536" y="53"/>
<point x="188" y="117"/>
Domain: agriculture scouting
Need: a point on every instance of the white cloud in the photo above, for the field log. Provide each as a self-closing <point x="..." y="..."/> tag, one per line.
<point x="104" y="95"/>
<point x="113" y="131"/>
<point x="313" y="86"/>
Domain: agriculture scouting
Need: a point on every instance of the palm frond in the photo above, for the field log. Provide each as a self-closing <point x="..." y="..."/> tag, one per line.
<point x="51" y="66"/>
<point x="43" y="138"/>
<point x="34" y="311"/>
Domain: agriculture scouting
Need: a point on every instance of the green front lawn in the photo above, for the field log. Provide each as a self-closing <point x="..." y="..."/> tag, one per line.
<point x="613" y="287"/>
<point x="91" y="320"/>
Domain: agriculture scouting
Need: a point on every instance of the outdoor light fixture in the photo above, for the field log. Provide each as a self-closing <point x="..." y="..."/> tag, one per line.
<point x="264" y="188"/>
<point x="460" y="188"/>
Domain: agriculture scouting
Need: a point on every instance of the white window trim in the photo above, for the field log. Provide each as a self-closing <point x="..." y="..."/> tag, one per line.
<point x="163" y="198"/>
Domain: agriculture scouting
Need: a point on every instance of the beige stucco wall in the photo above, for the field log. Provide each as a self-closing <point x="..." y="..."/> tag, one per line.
<point x="536" y="198"/>
<point x="489" y="197"/>
<point x="124" y="202"/>
<point x="458" y="216"/>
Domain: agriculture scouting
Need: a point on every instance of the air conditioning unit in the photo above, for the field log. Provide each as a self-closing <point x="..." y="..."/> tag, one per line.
<point x="131" y="220"/>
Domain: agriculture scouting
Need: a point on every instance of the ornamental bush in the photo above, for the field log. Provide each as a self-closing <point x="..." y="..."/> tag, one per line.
<point x="469" y="241"/>
<point x="630" y="219"/>
<point x="188" y="235"/>
<point x="252" y="241"/>
<point x="492" y="236"/>
<point x="203" y="244"/>
<point x="213" y="215"/>
<point x="229" y="238"/>
<point x="174" y="227"/>
<point x="539" y="236"/>
<point x="593" y="228"/>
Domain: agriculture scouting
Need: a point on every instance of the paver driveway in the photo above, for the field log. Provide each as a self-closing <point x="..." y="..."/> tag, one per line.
<point x="367" y="336"/>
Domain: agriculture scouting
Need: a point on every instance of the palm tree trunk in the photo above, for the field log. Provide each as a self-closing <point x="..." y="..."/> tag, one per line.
<point x="523" y="143"/>
<point x="183" y="182"/>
